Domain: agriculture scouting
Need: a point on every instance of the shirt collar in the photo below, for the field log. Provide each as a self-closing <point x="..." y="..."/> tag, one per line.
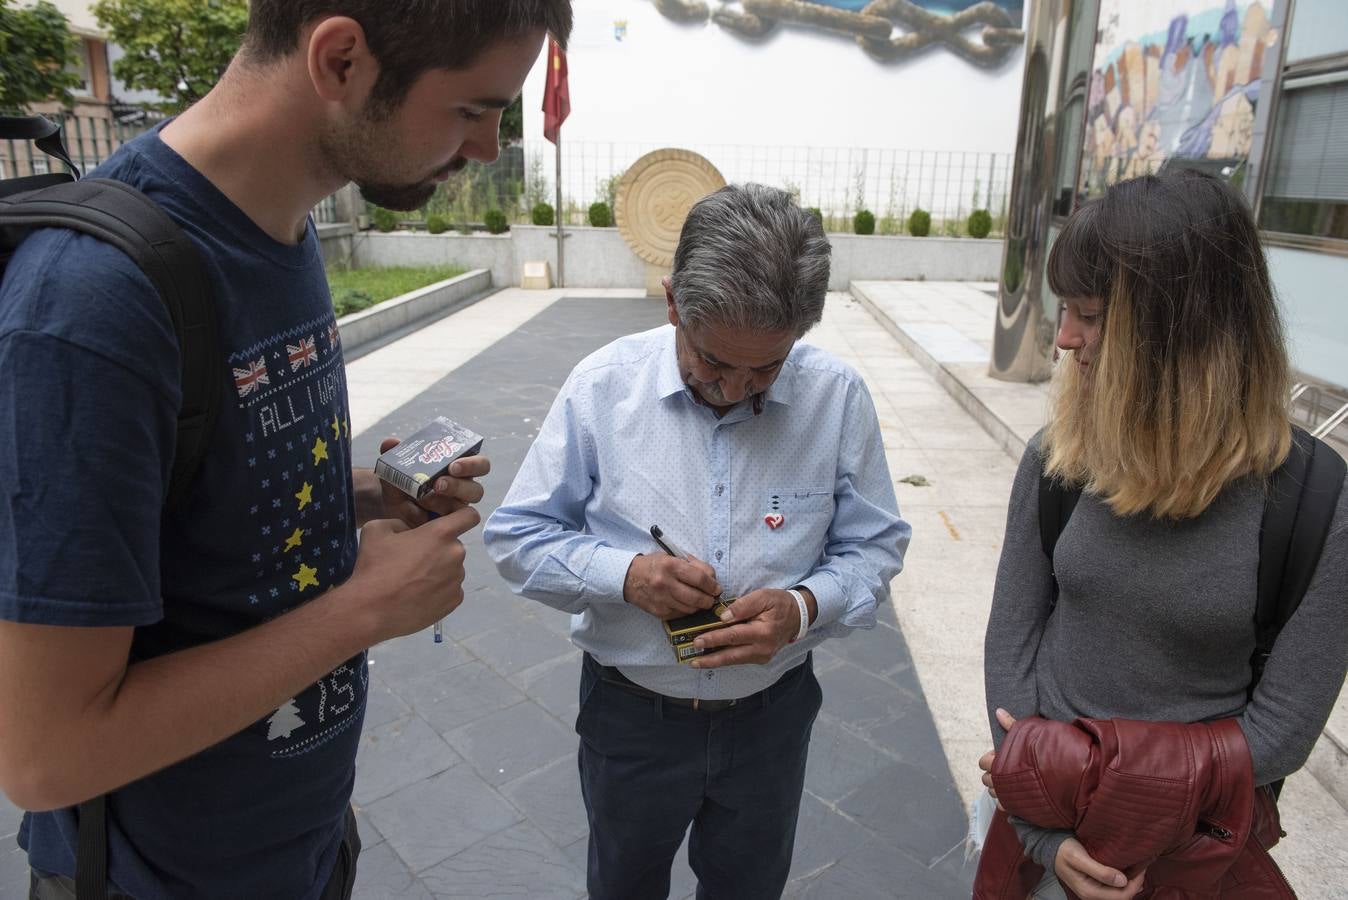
<point x="669" y="382"/>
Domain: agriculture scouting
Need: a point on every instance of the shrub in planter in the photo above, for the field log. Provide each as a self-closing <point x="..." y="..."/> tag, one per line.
<point x="543" y="214"/>
<point x="980" y="223"/>
<point x="600" y="215"/>
<point x="495" y="220"/>
<point x="817" y="213"/>
<point x="349" y="300"/>
<point x="436" y="224"/>
<point x="385" y="220"/>
<point x="864" y="222"/>
<point x="919" y="223"/>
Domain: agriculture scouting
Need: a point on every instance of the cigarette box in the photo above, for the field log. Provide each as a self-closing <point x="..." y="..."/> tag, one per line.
<point x="413" y="465"/>
<point x="682" y="630"/>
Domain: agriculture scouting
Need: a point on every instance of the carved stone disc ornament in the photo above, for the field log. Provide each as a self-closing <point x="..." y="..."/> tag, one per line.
<point x="654" y="197"/>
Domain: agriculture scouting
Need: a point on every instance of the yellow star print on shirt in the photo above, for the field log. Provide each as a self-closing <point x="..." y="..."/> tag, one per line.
<point x="336" y="428"/>
<point x="306" y="495"/>
<point x="306" y="577"/>
<point x="320" y="450"/>
<point x="294" y="540"/>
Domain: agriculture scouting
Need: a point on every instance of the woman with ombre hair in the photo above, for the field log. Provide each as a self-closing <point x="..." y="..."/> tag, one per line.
<point x="1169" y="416"/>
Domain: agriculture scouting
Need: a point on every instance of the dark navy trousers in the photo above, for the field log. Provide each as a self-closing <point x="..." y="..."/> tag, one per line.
<point x="650" y="768"/>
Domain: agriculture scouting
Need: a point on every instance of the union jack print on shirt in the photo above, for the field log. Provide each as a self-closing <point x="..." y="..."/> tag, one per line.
<point x="249" y="380"/>
<point x="302" y="354"/>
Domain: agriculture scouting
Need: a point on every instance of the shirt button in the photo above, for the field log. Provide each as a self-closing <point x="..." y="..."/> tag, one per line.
<point x="720" y="489"/>
<point x="718" y="555"/>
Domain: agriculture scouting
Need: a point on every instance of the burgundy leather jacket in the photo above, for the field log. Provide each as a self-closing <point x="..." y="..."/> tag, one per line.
<point x="1178" y="800"/>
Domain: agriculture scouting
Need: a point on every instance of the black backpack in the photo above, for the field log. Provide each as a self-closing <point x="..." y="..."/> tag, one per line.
<point x="124" y="217"/>
<point x="1298" y="512"/>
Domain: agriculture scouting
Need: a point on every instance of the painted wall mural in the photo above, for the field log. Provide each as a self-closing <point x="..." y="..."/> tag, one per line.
<point x="984" y="33"/>
<point x="1188" y="91"/>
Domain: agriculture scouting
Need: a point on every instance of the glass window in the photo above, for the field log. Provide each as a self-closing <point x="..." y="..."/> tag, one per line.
<point x="1318" y="28"/>
<point x="1307" y="188"/>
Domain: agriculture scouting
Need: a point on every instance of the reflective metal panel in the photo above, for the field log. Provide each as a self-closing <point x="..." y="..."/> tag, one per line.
<point x="1022" y="347"/>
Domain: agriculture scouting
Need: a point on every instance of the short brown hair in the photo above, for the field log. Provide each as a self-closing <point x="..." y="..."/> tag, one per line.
<point x="1189" y="389"/>
<point x="407" y="37"/>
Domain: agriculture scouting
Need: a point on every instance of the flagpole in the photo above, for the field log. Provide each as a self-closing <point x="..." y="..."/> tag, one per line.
<point x="561" y="262"/>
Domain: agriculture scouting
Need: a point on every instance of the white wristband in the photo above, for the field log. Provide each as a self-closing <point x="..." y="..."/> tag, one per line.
<point x="804" y="614"/>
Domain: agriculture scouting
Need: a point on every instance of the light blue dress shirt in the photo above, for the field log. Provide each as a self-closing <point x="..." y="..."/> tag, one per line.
<point x="626" y="446"/>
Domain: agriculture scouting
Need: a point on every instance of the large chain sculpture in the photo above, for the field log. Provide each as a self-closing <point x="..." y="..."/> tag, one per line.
<point x="873" y="27"/>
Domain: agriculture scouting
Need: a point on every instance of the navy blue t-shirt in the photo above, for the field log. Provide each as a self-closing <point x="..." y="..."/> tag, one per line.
<point x="89" y="389"/>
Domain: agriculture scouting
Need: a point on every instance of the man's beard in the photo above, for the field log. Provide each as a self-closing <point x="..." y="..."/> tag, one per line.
<point x="360" y="156"/>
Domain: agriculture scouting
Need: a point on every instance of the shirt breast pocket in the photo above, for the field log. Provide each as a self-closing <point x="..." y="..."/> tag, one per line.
<point x="791" y="504"/>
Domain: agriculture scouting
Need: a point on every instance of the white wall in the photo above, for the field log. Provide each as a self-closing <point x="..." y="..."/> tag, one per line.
<point x="701" y="84"/>
<point x="702" y="87"/>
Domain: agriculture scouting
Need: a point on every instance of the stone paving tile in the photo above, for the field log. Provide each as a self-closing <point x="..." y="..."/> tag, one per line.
<point x="518" y="646"/>
<point x="413" y="656"/>
<point x="512" y="742"/>
<point x="862" y="700"/>
<point x="398" y="754"/>
<point x="382" y="875"/>
<point x="10" y="818"/>
<point x="823" y="836"/>
<point x="911" y="810"/>
<point x="550" y="798"/>
<point x="455" y="697"/>
<point x="555" y="686"/>
<point x="880" y="650"/>
<point x="13" y="870"/>
<point x="840" y="760"/>
<point x="478" y="611"/>
<point x="876" y="872"/>
<point x="383" y="704"/>
<point x="369" y="835"/>
<point x="433" y="819"/>
<point x="912" y="737"/>
<point x="518" y="862"/>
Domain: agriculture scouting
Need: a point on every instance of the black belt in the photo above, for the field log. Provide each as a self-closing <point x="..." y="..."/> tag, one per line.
<point x="616" y="678"/>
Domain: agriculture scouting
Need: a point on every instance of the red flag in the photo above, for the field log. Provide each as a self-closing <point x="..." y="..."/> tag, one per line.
<point x="556" y="96"/>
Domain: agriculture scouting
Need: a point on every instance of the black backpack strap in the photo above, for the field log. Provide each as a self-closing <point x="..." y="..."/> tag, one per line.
<point x="124" y="217"/>
<point x="91" y="859"/>
<point x="1298" y="512"/>
<point x="1056" y="503"/>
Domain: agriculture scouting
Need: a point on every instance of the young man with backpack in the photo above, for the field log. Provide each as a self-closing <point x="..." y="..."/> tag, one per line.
<point x="196" y="669"/>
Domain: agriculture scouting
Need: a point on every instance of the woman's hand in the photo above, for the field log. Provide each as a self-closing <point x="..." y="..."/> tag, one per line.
<point x="1006" y="720"/>
<point x="1090" y="880"/>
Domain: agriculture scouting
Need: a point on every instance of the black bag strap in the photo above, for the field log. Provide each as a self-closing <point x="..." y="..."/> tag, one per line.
<point x="124" y="217"/>
<point x="1056" y="503"/>
<point x="91" y="855"/>
<point x="1298" y="512"/>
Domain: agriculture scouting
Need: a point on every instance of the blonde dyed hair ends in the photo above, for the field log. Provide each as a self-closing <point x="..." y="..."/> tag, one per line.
<point x="1187" y="391"/>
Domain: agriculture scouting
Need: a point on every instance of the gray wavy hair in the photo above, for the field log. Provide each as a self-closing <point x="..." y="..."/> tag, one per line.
<point x="750" y="258"/>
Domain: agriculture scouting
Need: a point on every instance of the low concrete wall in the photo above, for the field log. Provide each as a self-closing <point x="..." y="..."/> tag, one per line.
<point x="493" y="252"/>
<point x="335" y="243"/>
<point x="599" y="258"/>
<point x="371" y="324"/>
<point x="595" y="257"/>
<point x="886" y="258"/>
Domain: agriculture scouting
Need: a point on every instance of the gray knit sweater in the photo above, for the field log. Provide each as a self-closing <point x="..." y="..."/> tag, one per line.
<point x="1155" y="621"/>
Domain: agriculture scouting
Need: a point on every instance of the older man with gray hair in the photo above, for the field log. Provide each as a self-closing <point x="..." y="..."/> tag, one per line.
<point x="759" y="459"/>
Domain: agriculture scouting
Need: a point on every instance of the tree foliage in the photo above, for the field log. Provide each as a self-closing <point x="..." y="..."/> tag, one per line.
<point x="176" y="48"/>
<point x="35" y="47"/>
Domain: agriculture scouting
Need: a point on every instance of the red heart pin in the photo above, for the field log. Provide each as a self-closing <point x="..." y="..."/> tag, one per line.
<point x="774" y="520"/>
